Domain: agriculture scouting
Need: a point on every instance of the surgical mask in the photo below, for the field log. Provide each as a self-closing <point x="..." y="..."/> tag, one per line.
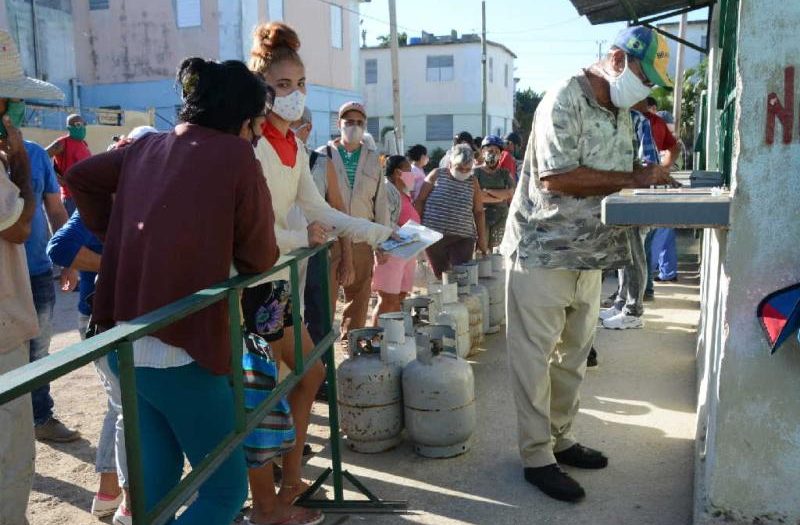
<point x="16" y="112"/>
<point x="352" y="134"/>
<point x="77" y="132"/>
<point x="290" y="107"/>
<point x="491" y="159"/>
<point x="462" y="176"/>
<point x="626" y="89"/>
<point x="408" y="180"/>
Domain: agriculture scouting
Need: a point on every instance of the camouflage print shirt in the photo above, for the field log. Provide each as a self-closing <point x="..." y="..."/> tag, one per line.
<point x="550" y="230"/>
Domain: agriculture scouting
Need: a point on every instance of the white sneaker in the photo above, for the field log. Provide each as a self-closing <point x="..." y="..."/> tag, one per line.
<point x="622" y="321"/>
<point x="122" y="516"/>
<point x="608" y="313"/>
<point x="102" y="507"/>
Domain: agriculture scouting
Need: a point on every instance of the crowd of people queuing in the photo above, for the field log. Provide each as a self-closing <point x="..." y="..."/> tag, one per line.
<point x="122" y="223"/>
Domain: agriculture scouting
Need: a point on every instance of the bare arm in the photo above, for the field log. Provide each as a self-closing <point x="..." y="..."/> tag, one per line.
<point x="86" y="261"/>
<point x="671" y="155"/>
<point x="15" y="158"/>
<point x="480" y="217"/>
<point x="589" y="182"/>
<point x="424" y="192"/>
<point x="55" y="148"/>
<point x="56" y="212"/>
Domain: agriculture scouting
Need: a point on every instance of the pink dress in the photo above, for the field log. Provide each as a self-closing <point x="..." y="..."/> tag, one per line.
<point x="397" y="275"/>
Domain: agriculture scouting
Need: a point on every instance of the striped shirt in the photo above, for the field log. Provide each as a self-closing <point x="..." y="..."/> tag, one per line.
<point x="448" y="208"/>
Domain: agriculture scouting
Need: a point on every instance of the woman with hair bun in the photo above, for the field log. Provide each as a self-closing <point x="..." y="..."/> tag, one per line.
<point x="157" y="185"/>
<point x="285" y="165"/>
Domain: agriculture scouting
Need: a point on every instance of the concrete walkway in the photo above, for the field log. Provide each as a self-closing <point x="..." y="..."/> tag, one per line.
<point x="638" y="407"/>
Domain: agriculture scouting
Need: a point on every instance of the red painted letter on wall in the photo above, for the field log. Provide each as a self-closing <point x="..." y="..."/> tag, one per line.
<point x="783" y="112"/>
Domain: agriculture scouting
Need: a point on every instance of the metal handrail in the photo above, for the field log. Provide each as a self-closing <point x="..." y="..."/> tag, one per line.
<point x="25" y="379"/>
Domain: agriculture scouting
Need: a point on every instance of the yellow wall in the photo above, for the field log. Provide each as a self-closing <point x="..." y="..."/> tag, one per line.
<point x="97" y="136"/>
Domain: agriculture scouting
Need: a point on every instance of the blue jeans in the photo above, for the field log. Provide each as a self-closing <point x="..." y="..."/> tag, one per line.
<point x="665" y="253"/>
<point x="632" y="277"/>
<point x="44" y="299"/>
<point x="188" y="410"/>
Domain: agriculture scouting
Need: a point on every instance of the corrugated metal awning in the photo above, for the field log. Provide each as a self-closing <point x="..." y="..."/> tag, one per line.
<point x="635" y="11"/>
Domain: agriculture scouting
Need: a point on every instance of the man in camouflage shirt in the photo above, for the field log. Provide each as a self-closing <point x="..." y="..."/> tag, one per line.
<point x="580" y="149"/>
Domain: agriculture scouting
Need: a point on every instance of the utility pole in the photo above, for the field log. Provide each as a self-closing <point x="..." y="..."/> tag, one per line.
<point x="678" y="80"/>
<point x="483" y="68"/>
<point x="398" y="116"/>
<point x="599" y="49"/>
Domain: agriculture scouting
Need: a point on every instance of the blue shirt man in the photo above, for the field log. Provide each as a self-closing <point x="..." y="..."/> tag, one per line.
<point x="49" y="208"/>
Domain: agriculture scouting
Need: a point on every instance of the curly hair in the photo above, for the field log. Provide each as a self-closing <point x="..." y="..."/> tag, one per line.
<point x="273" y="43"/>
<point x="220" y="96"/>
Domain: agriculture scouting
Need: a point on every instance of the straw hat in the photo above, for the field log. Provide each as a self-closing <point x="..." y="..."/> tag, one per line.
<point x="14" y="83"/>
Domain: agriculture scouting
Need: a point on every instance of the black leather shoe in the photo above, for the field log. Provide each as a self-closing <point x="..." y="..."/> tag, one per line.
<point x="582" y="457"/>
<point x="554" y="482"/>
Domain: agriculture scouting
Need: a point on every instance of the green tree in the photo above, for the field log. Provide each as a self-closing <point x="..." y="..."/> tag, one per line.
<point x="694" y="83"/>
<point x="385" y="40"/>
<point x="526" y="102"/>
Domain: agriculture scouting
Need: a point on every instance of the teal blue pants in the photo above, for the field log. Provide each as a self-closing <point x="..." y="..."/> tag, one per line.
<point x="187" y="410"/>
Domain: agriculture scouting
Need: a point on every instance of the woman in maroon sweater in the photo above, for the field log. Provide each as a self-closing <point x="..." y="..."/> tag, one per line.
<point x="176" y="211"/>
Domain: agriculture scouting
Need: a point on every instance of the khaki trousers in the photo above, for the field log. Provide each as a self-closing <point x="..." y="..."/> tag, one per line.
<point x="17" y="449"/>
<point x="357" y="295"/>
<point x="551" y="321"/>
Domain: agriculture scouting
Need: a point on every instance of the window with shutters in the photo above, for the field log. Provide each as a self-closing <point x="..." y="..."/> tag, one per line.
<point x="275" y="9"/>
<point x="97" y="5"/>
<point x="371" y="71"/>
<point x="439" y="127"/>
<point x="439" y="68"/>
<point x="187" y="13"/>
<point x="337" y="27"/>
<point x="374" y="127"/>
<point x="505" y="75"/>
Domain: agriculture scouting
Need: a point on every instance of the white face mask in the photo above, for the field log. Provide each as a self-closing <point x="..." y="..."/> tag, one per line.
<point x="352" y="134"/>
<point x="627" y="89"/>
<point x="290" y="107"/>
<point x="460" y="175"/>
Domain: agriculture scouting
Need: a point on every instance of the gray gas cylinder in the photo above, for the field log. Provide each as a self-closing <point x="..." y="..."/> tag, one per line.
<point x="398" y="337"/>
<point x="439" y="396"/>
<point x="446" y="309"/>
<point x="369" y="394"/>
<point x="497" y="293"/>
<point x="479" y="291"/>
<point x="473" y="303"/>
<point x="418" y="307"/>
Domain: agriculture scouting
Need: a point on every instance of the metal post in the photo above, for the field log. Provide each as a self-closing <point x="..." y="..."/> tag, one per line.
<point x="133" y="445"/>
<point x="330" y="366"/>
<point x="237" y="376"/>
<point x="678" y="81"/>
<point x="394" y="45"/>
<point x="299" y="364"/>
<point x="485" y="89"/>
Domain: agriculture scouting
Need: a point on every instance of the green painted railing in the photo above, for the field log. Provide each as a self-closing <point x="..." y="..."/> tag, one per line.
<point x="120" y="339"/>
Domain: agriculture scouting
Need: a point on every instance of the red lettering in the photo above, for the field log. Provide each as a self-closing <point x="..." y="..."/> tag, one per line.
<point x="781" y="112"/>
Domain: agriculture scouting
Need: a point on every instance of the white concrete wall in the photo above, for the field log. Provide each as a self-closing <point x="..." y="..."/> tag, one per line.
<point x="748" y="467"/>
<point x="460" y="97"/>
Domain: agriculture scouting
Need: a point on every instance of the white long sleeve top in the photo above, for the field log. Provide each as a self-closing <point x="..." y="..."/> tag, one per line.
<point x="295" y="185"/>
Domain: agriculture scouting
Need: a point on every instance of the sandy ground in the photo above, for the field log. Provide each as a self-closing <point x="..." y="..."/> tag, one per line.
<point x="638" y="407"/>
